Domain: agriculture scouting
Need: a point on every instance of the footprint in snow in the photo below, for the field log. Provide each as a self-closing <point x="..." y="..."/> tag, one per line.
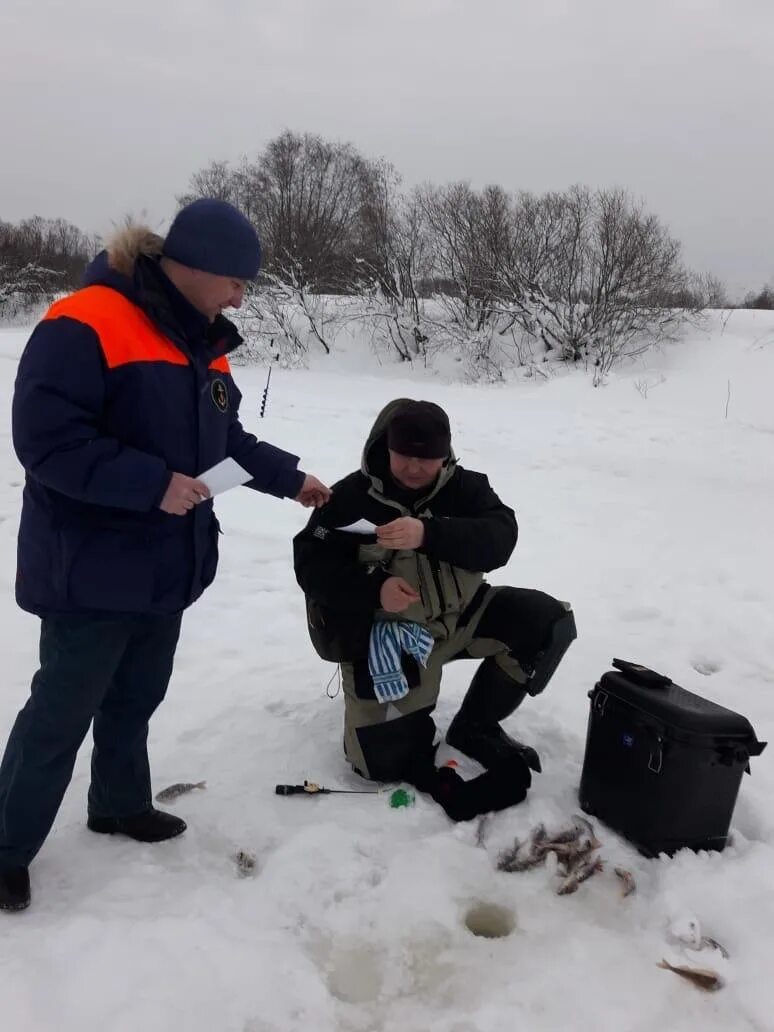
<point x="707" y="667"/>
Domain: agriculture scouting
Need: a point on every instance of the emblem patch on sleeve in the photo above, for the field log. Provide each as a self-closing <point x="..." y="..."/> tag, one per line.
<point x="219" y="393"/>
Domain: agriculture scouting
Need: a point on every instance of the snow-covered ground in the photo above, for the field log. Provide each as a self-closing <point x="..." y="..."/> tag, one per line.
<point x="653" y="515"/>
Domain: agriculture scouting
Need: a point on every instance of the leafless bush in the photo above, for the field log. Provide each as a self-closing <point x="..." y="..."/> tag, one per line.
<point x="277" y="321"/>
<point x="38" y="259"/>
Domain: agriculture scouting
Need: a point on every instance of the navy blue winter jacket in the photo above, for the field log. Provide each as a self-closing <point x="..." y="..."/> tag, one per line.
<point x="111" y="399"/>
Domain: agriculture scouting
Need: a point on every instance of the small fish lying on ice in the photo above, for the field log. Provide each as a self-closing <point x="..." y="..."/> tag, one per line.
<point x="522" y="856"/>
<point x="628" y="884"/>
<point x="178" y="789"/>
<point x="578" y="862"/>
<point x="713" y="944"/>
<point x="702" y="978"/>
<point x="580" y="871"/>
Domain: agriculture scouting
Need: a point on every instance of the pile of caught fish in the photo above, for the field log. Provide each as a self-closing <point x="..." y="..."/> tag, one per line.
<point x="575" y="849"/>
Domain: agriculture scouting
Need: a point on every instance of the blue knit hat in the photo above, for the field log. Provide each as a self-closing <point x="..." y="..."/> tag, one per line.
<point x="214" y="236"/>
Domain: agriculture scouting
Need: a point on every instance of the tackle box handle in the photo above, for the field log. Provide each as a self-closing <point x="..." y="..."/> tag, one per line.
<point x="642" y="675"/>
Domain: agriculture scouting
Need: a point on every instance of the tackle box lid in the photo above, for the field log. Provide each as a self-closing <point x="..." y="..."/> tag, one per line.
<point x="659" y="697"/>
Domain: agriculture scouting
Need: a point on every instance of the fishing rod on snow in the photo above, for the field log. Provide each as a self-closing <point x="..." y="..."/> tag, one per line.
<point x="398" y="798"/>
<point x="312" y="788"/>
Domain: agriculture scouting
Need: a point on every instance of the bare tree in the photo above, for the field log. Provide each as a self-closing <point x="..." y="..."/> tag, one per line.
<point x="217" y="180"/>
<point x="390" y="271"/>
<point x="763" y="299"/>
<point x="709" y="292"/>
<point x="309" y="205"/>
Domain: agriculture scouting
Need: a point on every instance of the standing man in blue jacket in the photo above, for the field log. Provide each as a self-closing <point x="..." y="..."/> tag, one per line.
<point x="123" y="397"/>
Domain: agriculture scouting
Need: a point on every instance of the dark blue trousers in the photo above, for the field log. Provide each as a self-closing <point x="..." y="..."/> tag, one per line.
<point x="110" y="668"/>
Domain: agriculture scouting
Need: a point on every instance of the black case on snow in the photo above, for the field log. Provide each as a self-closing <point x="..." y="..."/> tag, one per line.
<point x="662" y="765"/>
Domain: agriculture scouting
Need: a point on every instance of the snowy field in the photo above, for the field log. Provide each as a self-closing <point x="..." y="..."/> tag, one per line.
<point x="653" y="515"/>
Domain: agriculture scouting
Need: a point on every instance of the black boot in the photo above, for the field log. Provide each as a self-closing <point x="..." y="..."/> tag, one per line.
<point x="14" y="888"/>
<point x="150" y="826"/>
<point x="476" y="731"/>
<point x="493" y="696"/>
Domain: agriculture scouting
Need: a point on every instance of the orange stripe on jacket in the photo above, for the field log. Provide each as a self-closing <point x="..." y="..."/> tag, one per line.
<point x="125" y="332"/>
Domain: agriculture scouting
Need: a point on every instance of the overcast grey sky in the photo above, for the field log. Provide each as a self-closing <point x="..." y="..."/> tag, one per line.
<point x="107" y="107"/>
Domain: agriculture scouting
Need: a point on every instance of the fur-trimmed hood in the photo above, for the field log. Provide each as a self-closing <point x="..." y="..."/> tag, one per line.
<point x="126" y="245"/>
<point x="117" y="266"/>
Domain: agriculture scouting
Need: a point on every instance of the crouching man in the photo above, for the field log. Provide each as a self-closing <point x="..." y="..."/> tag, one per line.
<point x="394" y="606"/>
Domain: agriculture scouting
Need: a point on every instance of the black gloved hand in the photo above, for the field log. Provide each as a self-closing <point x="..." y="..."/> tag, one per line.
<point x="497" y="788"/>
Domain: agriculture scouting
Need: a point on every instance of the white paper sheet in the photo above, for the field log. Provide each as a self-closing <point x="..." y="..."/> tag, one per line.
<point x="466" y="766"/>
<point x="224" y="476"/>
<point x="360" y="527"/>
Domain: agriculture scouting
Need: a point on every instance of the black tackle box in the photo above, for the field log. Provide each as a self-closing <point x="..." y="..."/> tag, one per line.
<point x="662" y="765"/>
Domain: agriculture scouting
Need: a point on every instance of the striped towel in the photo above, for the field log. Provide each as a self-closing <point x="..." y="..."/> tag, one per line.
<point x="388" y="639"/>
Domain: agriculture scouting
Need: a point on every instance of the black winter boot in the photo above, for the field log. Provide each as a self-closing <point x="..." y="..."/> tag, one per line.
<point x="476" y="731"/>
<point x="14" y="888"/>
<point x="500" y="786"/>
<point x="150" y="826"/>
